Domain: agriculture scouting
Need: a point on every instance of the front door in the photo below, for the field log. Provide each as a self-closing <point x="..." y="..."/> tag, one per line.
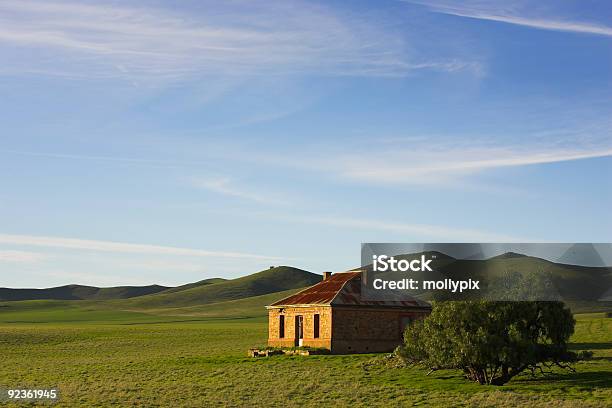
<point x="299" y="330"/>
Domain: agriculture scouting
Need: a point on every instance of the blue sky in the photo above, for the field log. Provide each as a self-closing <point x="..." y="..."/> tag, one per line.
<point x="156" y="142"/>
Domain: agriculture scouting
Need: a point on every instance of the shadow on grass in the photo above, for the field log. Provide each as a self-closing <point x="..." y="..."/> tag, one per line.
<point x="590" y="346"/>
<point x="592" y="379"/>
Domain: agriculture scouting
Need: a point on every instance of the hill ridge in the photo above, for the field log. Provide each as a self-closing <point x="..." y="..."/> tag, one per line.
<point x="79" y="292"/>
<point x="277" y="279"/>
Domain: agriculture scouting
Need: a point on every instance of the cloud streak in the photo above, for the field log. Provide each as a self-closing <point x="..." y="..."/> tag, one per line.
<point x="21" y="257"/>
<point x="512" y="14"/>
<point x="121" y="247"/>
<point x="440" y="161"/>
<point x="231" y="38"/>
<point x="421" y="166"/>
<point x="415" y="229"/>
<point x="225" y="186"/>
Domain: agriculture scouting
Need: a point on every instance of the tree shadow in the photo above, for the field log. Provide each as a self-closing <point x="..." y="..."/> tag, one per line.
<point x="590" y="346"/>
<point x="590" y="379"/>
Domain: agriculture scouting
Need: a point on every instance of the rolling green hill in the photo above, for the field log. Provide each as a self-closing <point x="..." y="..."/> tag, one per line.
<point x="509" y="255"/>
<point x="247" y="296"/>
<point x="517" y="276"/>
<point x="215" y="297"/>
<point x="83" y="311"/>
<point x="79" y="292"/>
<point x="572" y="282"/>
<point x="95" y="311"/>
<point x="271" y="280"/>
<point x="248" y="307"/>
<point x="204" y="282"/>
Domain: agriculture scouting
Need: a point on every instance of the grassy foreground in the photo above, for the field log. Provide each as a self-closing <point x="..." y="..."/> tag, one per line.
<point x="127" y="359"/>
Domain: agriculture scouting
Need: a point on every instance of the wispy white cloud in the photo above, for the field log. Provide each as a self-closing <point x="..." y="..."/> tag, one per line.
<point x="439" y="161"/>
<point x="216" y="38"/>
<point x="422" y="231"/>
<point x="121" y="247"/>
<point x="425" y="166"/>
<point x="225" y="186"/>
<point x="518" y="13"/>
<point x="21" y="256"/>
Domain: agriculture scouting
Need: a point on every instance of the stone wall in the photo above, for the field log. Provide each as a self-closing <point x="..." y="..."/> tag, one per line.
<point x="365" y="330"/>
<point x="343" y="330"/>
<point x="290" y="313"/>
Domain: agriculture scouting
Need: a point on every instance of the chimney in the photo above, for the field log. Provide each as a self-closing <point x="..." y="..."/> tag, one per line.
<point x="326" y="275"/>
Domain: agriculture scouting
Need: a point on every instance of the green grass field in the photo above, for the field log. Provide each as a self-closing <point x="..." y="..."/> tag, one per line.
<point x="102" y="357"/>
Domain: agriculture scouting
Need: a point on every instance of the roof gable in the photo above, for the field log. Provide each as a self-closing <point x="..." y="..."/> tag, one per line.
<point x="320" y="294"/>
<point x="341" y="289"/>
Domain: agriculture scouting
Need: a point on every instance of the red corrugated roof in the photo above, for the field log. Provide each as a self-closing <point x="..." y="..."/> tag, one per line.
<point x="321" y="293"/>
<point x="341" y="289"/>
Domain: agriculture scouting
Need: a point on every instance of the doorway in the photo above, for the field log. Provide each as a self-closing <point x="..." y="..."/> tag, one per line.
<point x="299" y="330"/>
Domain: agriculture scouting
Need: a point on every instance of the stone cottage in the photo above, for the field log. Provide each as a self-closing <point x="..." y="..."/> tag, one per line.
<point x="331" y="314"/>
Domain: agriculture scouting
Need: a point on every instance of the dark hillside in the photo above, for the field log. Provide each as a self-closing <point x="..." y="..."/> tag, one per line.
<point x="79" y="292"/>
<point x="271" y="280"/>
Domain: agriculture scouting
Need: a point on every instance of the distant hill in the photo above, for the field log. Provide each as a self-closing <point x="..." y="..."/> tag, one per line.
<point x="509" y="255"/>
<point x="79" y="292"/>
<point x="246" y="297"/>
<point x="512" y="276"/>
<point x="571" y="283"/>
<point x="204" y="282"/>
<point x="582" y="254"/>
<point x="271" y="280"/>
<point x="207" y="291"/>
<point x="253" y="306"/>
<point x="463" y="251"/>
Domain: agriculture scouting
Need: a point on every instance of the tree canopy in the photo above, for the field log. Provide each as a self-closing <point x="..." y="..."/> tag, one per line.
<point x="491" y="342"/>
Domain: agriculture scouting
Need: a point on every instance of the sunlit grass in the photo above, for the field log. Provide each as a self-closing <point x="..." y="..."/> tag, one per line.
<point x="129" y="361"/>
